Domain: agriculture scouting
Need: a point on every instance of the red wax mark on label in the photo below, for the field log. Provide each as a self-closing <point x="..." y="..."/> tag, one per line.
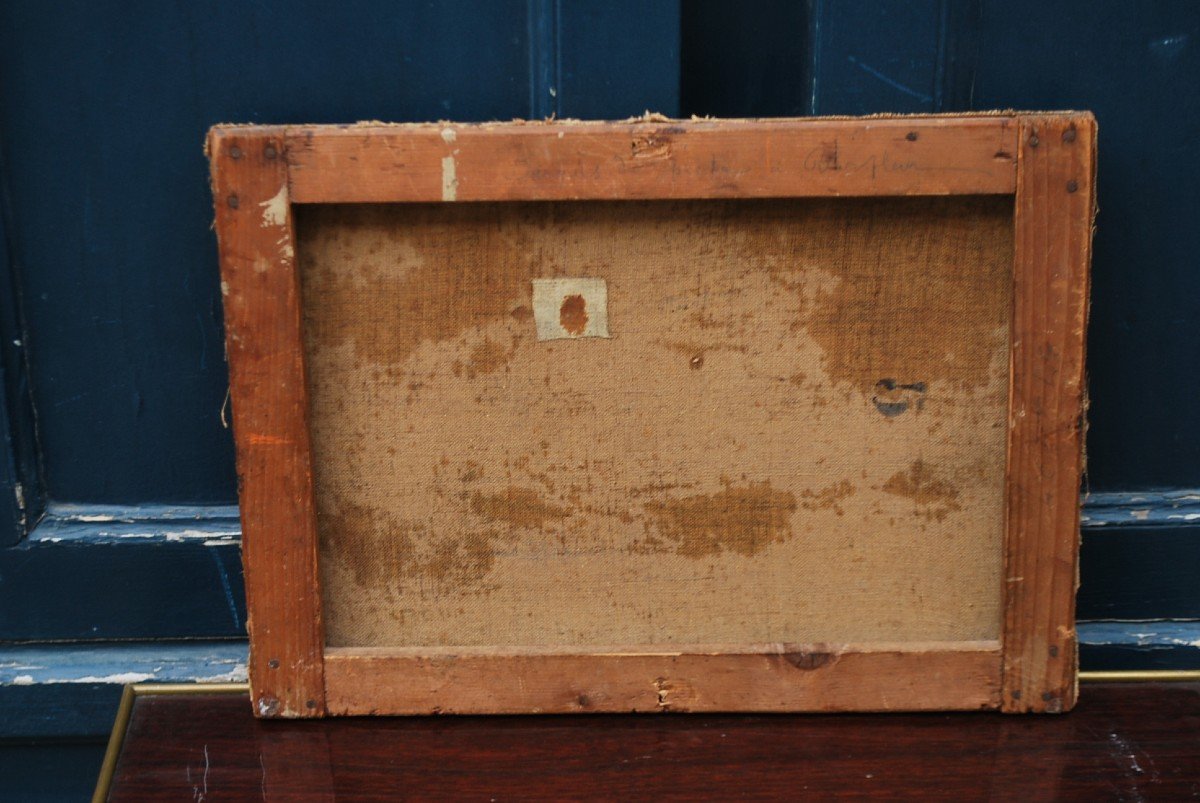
<point x="573" y="314"/>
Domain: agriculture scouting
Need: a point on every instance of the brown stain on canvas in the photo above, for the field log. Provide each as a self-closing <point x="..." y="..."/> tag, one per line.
<point x="572" y="315"/>
<point x="517" y="507"/>
<point x="899" y="303"/>
<point x="827" y="498"/>
<point x="411" y="551"/>
<point x="741" y="519"/>
<point x="460" y="561"/>
<point x="383" y="551"/>
<point x="485" y="358"/>
<point x="934" y="496"/>
<point x="415" y="288"/>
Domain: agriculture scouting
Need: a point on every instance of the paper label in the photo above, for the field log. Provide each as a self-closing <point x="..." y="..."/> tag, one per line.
<point x="570" y="308"/>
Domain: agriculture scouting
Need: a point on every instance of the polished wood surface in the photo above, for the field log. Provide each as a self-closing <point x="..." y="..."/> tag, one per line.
<point x="1123" y="741"/>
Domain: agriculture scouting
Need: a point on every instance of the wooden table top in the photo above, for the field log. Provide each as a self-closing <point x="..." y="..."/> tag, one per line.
<point x="1123" y="741"/>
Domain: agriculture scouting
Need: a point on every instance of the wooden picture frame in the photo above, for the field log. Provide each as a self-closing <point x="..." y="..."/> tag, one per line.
<point x="1045" y="161"/>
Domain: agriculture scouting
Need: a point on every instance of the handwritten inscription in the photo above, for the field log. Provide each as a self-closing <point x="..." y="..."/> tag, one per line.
<point x="825" y="159"/>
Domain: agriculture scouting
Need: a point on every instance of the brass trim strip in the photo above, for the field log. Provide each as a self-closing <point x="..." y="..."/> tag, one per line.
<point x="1142" y="676"/>
<point x="116" y="739"/>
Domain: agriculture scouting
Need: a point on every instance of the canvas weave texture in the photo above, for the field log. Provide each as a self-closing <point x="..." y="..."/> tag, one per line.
<point x="794" y="431"/>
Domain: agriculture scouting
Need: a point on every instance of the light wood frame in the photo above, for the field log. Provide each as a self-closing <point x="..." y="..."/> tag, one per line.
<point x="1045" y="160"/>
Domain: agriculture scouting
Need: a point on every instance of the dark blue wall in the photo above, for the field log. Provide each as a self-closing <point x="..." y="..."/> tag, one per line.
<point x="103" y="113"/>
<point x="1136" y="65"/>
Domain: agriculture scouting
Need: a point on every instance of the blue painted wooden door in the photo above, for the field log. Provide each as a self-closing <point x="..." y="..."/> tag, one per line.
<point x="117" y="488"/>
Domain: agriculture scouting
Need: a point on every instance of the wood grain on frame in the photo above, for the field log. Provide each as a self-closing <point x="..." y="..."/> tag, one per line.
<point x="909" y="677"/>
<point x="259" y="171"/>
<point x="629" y="160"/>
<point x="1054" y="207"/>
<point x="270" y="421"/>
